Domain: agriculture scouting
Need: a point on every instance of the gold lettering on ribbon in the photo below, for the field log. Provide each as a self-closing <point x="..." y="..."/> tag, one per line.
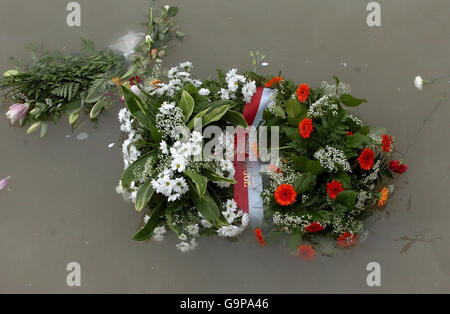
<point x="245" y="178"/>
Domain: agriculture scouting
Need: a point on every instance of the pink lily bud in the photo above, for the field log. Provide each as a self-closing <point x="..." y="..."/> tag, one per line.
<point x="4" y="182"/>
<point x="17" y="112"/>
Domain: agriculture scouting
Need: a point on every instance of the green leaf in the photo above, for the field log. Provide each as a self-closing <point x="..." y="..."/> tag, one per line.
<point x="43" y="129"/>
<point x="314" y="167"/>
<point x="206" y="206"/>
<point x="294" y="109"/>
<point x="186" y="104"/>
<point x="96" y="90"/>
<point x="351" y="101"/>
<point x="357" y="140"/>
<point x="140" y="112"/>
<point x="199" y="181"/>
<point x="305" y="182"/>
<point x="235" y="118"/>
<point x="74" y="115"/>
<point x="344" y="178"/>
<point x="364" y="130"/>
<point x="147" y="232"/>
<point x="135" y="170"/>
<point x="97" y="108"/>
<point x="217" y="178"/>
<point x="215" y="115"/>
<point x="190" y="125"/>
<point x="172" y="11"/>
<point x="280" y="112"/>
<point x="144" y="194"/>
<point x="172" y="208"/>
<point x="347" y="198"/>
<point x="299" y="162"/>
<point x="295" y="241"/>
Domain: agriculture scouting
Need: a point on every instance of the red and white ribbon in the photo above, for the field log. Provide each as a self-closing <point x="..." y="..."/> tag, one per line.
<point x="248" y="189"/>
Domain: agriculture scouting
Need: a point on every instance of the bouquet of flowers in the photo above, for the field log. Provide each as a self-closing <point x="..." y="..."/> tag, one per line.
<point x="330" y="165"/>
<point x="56" y="84"/>
<point x="167" y="166"/>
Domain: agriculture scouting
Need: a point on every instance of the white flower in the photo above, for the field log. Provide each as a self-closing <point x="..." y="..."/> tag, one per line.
<point x="135" y="89"/>
<point x="196" y="150"/>
<point x="173" y="197"/>
<point x="187" y="66"/>
<point x="245" y="220"/>
<point x="225" y="94"/>
<point x="183" y="246"/>
<point x="418" y="82"/>
<point x="229" y="216"/>
<point x="196" y="137"/>
<point x="229" y="231"/>
<point x="163" y="147"/>
<point x="146" y="218"/>
<point x="186" y="150"/>
<point x="148" y="39"/>
<point x="167" y="7"/>
<point x="182" y="237"/>
<point x="203" y="92"/>
<point x="158" y="233"/>
<point x="205" y="223"/>
<point x="180" y="186"/>
<point x="248" y="90"/>
<point x="231" y="205"/>
<point x="192" y="229"/>
<point x="178" y="164"/>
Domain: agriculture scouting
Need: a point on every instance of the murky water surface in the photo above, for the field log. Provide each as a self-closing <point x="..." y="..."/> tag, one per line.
<point x="61" y="206"/>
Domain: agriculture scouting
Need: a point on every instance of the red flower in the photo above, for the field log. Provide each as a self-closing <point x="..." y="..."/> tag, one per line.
<point x="366" y="159"/>
<point x="397" y="166"/>
<point x="305" y="128"/>
<point x="303" y="92"/>
<point x="334" y="188"/>
<point x="349" y="133"/>
<point x="347" y="239"/>
<point x="285" y="195"/>
<point x="314" y="227"/>
<point x="274" y="80"/>
<point x="260" y="236"/>
<point x="134" y="80"/>
<point x="306" y="252"/>
<point x="387" y="142"/>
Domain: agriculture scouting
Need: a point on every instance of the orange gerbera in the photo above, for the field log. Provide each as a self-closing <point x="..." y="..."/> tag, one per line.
<point x="306" y="252"/>
<point x="260" y="236"/>
<point x="334" y="188"/>
<point x="285" y="195"/>
<point x="314" y="227"/>
<point x="116" y="81"/>
<point x="366" y="159"/>
<point x="347" y="239"/>
<point x="386" y="143"/>
<point x="383" y="197"/>
<point x="273" y="80"/>
<point x="305" y="128"/>
<point x="303" y="92"/>
<point x="156" y="82"/>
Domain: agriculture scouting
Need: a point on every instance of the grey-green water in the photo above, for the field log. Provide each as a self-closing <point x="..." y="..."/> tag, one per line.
<point x="61" y="206"/>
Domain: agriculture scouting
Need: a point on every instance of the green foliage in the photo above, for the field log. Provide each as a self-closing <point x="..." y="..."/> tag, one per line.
<point x="155" y="215"/>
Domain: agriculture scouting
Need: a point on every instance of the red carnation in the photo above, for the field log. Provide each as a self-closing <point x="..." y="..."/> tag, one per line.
<point x="386" y="143"/>
<point x="303" y="92"/>
<point x="314" y="227"/>
<point x="397" y="166"/>
<point x="260" y="236"/>
<point x="349" y="133"/>
<point x="334" y="188"/>
<point x="134" y="80"/>
<point x="306" y="252"/>
<point x="347" y="239"/>
<point x="366" y="159"/>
